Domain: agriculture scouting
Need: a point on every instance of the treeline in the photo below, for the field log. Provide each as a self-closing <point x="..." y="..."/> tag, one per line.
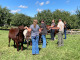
<point x="73" y="21"/>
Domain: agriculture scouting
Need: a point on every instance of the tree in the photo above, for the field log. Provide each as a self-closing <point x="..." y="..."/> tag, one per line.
<point x="78" y="15"/>
<point x="5" y="15"/>
<point x="20" y="19"/>
<point x="45" y="15"/>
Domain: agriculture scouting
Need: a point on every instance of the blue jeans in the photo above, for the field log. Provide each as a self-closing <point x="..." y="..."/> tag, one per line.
<point x="65" y="34"/>
<point x="44" y="41"/>
<point x="35" y="48"/>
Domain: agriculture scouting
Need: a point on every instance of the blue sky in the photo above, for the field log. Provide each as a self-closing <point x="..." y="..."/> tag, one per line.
<point x="32" y="7"/>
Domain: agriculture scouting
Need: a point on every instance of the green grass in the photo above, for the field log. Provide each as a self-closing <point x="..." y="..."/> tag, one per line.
<point x="70" y="50"/>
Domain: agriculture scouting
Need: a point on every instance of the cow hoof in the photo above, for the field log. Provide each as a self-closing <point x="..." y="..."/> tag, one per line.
<point x="17" y="49"/>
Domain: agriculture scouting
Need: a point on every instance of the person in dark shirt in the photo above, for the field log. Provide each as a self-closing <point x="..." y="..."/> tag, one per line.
<point x="43" y="32"/>
<point x="65" y="28"/>
<point x="52" y="30"/>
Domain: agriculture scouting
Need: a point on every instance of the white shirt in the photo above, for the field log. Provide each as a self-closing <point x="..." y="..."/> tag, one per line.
<point x="61" y="26"/>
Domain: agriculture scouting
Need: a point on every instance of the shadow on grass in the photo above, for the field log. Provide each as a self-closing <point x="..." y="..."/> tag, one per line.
<point x="24" y="48"/>
<point x="39" y="48"/>
<point x="48" y="38"/>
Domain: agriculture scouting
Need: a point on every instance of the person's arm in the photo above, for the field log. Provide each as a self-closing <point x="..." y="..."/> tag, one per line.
<point x="52" y="26"/>
<point x="29" y="29"/>
<point x="25" y="27"/>
<point x="39" y="30"/>
<point x="55" y="28"/>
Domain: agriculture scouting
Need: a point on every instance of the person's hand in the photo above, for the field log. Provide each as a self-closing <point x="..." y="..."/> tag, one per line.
<point x="52" y="26"/>
<point x="41" y="28"/>
<point x="25" y="27"/>
<point x="29" y="29"/>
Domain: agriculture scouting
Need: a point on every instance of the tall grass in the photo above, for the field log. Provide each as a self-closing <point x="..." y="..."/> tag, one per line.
<point x="70" y="50"/>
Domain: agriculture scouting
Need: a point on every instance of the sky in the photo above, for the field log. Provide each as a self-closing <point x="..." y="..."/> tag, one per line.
<point x="32" y="7"/>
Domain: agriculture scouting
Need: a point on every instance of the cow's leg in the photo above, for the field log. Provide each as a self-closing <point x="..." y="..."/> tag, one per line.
<point x="31" y="43"/>
<point x="14" y="43"/>
<point x="27" y="43"/>
<point x="9" y="42"/>
<point x="17" y="46"/>
<point x="40" y="38"/>
<point x="22" y="46"/>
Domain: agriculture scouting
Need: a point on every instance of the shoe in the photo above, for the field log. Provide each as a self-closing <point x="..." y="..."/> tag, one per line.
<point x="59" y="45"/>
<point x="33" y="54"/>
<point x="64" y="38"/>
<point x="62" y="44"/>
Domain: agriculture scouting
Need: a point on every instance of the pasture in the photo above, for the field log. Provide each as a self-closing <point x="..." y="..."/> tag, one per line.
<point x="70" y="50"/>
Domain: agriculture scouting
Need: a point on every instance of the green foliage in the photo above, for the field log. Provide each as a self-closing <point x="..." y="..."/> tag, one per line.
<point x="70" y="50"/>
<point x="48" y="16"/>
<point x="78" y="15"/>
<point x="5" y="15"/>
<point x="73" y="21"/>
<point x="21" y="19"/>
<point x="45" y="15"/>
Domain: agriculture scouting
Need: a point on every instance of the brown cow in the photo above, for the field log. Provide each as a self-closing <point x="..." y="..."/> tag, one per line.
<point x="48" y="28"/>
<point x="16" y="34"/>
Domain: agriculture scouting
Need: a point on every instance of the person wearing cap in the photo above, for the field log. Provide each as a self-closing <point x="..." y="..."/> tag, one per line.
<point x="52" y="30"/>
<point x="60" y="33"/>
<point x="43" y="32"/>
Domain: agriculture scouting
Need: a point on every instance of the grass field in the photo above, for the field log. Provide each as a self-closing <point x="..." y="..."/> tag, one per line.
<point x="70" y="50"/>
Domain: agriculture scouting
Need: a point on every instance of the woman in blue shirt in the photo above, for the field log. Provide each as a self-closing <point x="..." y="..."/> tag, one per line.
<point x="34" y="28"/>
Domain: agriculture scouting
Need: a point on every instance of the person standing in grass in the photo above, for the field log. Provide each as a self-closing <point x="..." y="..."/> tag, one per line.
<point x="60" y="33"/>
<point x="43" y="32"/>
<point x="52" y="30"/>
<point x="65" y="28"/>
<point x="34" y="28"/>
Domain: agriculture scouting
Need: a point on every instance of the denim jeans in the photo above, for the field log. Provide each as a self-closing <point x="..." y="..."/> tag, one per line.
<point x="65" y="34"/>
<point x="44" y="41"/>
<point x="52" y="34"/>
<point x="35" y="48"/>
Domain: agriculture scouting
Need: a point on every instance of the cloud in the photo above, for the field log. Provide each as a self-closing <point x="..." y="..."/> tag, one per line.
<point x="21" y="6"/>
<point x="73" y="11"/>
<point x="15" y="11"/>
<point x="61" y="9"/>
<point x="42" y="3"/>
<point x="47" y="2"/>
<point x="67" y="1"/>
<point x="37" y="2"/>
<point x="39" y="10"/>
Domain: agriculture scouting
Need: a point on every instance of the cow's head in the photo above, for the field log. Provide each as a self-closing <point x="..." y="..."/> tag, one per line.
<point x="27" y="34"/>
<point x="21" y="28"/>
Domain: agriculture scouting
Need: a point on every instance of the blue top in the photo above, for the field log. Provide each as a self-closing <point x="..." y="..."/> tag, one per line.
<point x="35" y="31"/>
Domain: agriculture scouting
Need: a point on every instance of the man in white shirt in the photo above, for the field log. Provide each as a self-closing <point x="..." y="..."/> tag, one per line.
<point x="60" y="33"/>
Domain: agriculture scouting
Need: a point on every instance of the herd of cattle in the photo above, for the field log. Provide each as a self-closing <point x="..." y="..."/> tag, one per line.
<point x="19" y="34"/>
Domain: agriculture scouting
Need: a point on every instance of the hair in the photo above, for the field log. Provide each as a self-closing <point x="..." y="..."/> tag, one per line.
<point x="35" y="22"/>
<point x="42" y="20"/>
<point x="65" y="22"/>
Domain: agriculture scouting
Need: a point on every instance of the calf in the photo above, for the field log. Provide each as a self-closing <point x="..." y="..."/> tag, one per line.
<point x="16" y="34"/>
<point x="27" y="36"/>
